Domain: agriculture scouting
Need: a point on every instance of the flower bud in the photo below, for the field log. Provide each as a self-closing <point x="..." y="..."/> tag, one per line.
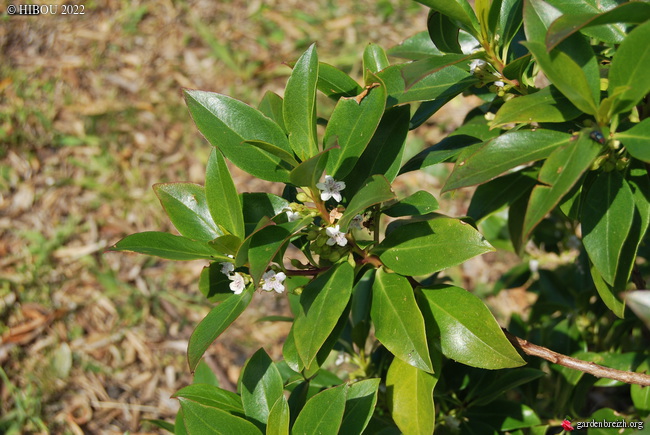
<point x="303" y="197"/>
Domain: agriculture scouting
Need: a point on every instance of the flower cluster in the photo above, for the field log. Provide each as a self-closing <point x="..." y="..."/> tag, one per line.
<point x="271" y="281"/>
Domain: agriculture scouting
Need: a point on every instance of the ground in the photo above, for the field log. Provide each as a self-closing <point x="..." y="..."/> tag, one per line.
<point x="91" y="116"/>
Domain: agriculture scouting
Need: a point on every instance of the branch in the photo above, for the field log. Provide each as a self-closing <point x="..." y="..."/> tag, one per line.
<point x="576" y="364"/>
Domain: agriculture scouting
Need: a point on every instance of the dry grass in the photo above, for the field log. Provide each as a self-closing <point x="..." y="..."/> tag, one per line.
<point x="91" y="115"/>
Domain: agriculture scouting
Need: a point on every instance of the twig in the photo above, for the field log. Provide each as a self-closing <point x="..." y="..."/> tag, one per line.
<point x="576" y="364"/>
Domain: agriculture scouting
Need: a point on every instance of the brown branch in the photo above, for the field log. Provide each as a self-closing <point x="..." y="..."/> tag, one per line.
<point x="576" y="364"/>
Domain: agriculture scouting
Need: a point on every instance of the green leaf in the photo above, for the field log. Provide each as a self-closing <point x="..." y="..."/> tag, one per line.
<point x="323" y="413"/>
<point x="167" y="246"/>
<point x="468" y="332"/>
<point x="416" y="47"/>
<point x="351" y="126"/>
<point x="383" y="155"/>
<point x="271" y="106"/>
<point x="630" y="66"/>
<point x="560" y="172"/>
<point x="500" y="192"/>
<point x="374" y="191"/>
<point x="299" y="107"/>
<point x="374" y="60"/>
<point x="574" y="72"/>
<point x="447" y="82"/>
<point x="505" y="415"/>
<point x="203" y="374"/>
<point x="213" y="284"/>
<point x="547" y="105"/>
<point x="440" y="152"/>
<point x="279" y="418"/>
<point x="266" y="243"/>
<point x="221" y="194"/>
<point x="261" y="386"/>
<point x="217" y="321"/>
<point x="258" y="205"/>
<point x="607" y="293"/>
<point x="187" y="208"/>
<point x="410" y="397"/>
<point x="641" y="394"/>
<point x="360" y="307"/>
<point x="509" y="19"/>
<point x="566" y="25"/>
<point x="419" y="203"/>
<point x="422" y="248"/>
<point x="498" y="383"/>
<point x="285" y="156"/>
<point x="226" y="244"/>
<point x="637" y="140"/>
<point x="504" y="152"/>
<point x="359" y="406"/>
<point x="443" y="32"/>
<point x="538" y="17"/>
<point x="458" y="10"/>
<point x="309" y="172"/>
<point x="606" y="219"/>
<point x="214" y="397"/>
<point x="335" y="83"/>
<point x="399" y="325"/>
<point x="322" y="302"/>
<point x="415" y="71"/>
<point x="227" y="123"/>
<point x="200" y="419"/>
<point x="162" y="424"/>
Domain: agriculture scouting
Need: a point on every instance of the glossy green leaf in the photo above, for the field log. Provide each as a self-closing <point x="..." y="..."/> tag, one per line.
<point x="547" y="105"/>
<point x="641" y="394"/>
<point x="335" y="83"/>
<point x="410" y="397"/>
<point x="359" y="406"/>
<point x="309" y="172"/>
<point x="214" y="397"/>
<point x="162" y="424"/>
<point x="416" y="47"/>
<point x="322" y="413"/>
<point x="261" y="386"/>
<point x="538" y="17"/>
<point x="179" y="423"/>
<point x="637" y="140"/>
<point x="561" y="170"/>
<point x="187" y="208"/>
<point x="203" y="374"/>
<point x="496" y="384"/>
<point x="505" y="415"/>
<point x="222" y="199"/>
<point x="213" y="284"/>
<point x="212" y="325"/>
<point x="458" y="10"/>
<point x="467" y="329"/>
<point x="226" y="123"/>
<point x="374" y="60"/>
<point x="322" y="302"/>
<point x="630" y="66"/>
<point x="504" y="152"/>
<point x="509" y="20"/>
<point x="607" y="293"/>
<point x="516" y="69"/>
<point x="419" y="203"/>
<point x="279" y="418"/>
<point x="415" y="71"/>
<point x="566" y="25"/>
<point x="609" y="415"/>
<point x="374" y="191"/>
<point x="167" y="246"/>
<point x="285" y="156"/>
<point x="271" y="106"/>
<point x="360" y="307"/>
<point x="258" y="205"/>
<point x="445" y="149"/>
<point x="226" y="244"/>
<point x="575" y="74"/>
<point x="266" y="243"/>
<point x="500" y="192"/>
<point x="200" y="419"/>
<point x="606" y="218"/>
<point x="426" y="110"/>
<point x="399" y="325"/>
<point x="422" y="248"/>
<point x="383" y="155"/>
<point x="444" y="83"/>
<point x="299" y="107"/>
<point x="443" y="32"/>
<point x="351" y="126"/>
<point x="610" y="33"/>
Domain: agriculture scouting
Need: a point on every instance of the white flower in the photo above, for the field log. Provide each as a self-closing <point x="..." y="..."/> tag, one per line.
<point x="499" y="84"/>
<point x="331" y="188"/>
<point x="292" y="215"/>
<point x="273" y="281"/>
<point x="475" y="65"/>
<point x="356" y="222"/>
<point x="335" y="236"/>
<point x="238" y="284"/>
<point x="227" y="268"/>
